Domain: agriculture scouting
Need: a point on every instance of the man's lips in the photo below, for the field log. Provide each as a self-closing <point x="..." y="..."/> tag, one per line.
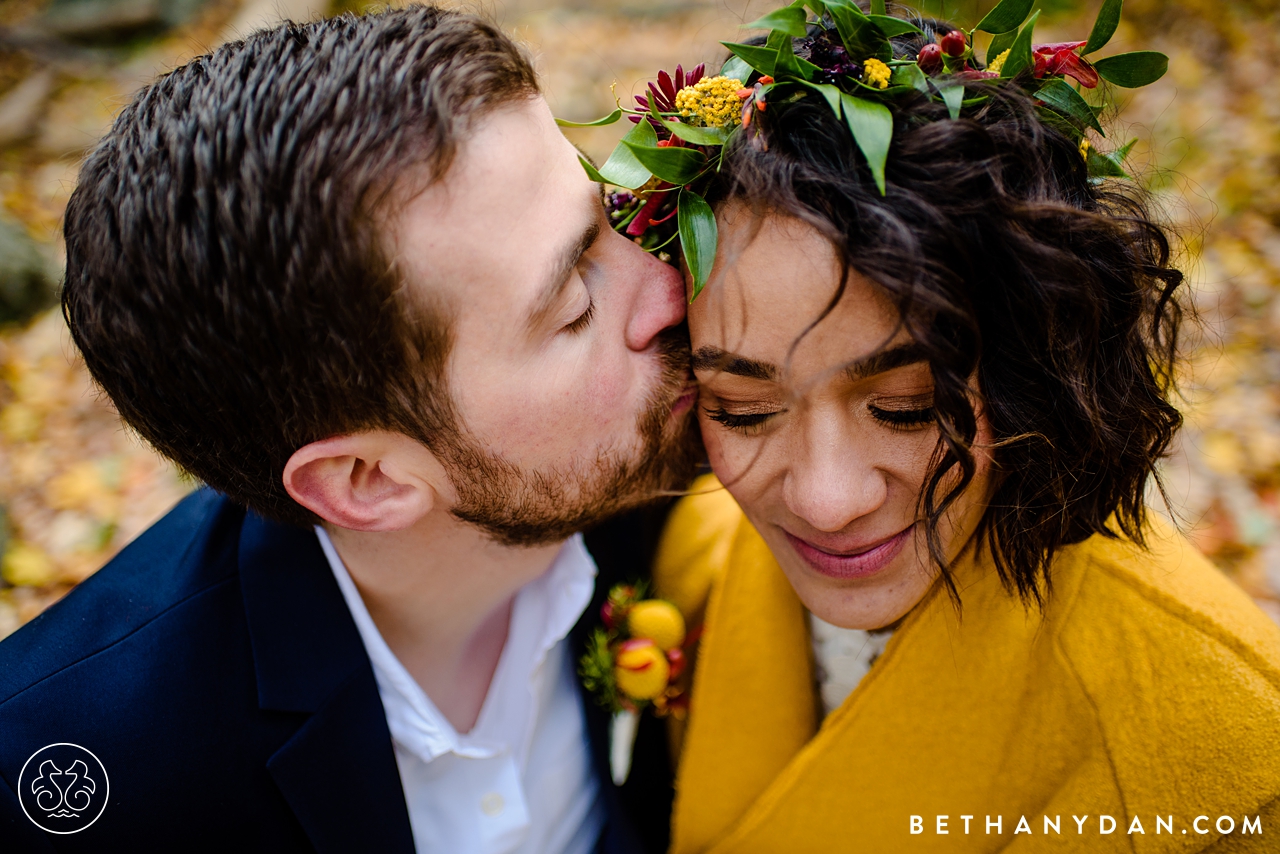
<point x="685" y="401"/>
<point x="853" y="561"/>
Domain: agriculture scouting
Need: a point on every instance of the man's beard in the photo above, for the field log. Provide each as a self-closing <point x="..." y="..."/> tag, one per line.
<point x="529" y="507"/>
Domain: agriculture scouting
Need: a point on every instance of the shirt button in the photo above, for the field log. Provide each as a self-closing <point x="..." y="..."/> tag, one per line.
<point x="492" y="804"/>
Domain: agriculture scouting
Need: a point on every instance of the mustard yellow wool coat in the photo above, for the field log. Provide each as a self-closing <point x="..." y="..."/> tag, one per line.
<point x="1150" y="687"/>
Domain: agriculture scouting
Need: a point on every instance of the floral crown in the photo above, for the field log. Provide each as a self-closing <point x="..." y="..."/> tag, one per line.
<point x="686" y="119"/>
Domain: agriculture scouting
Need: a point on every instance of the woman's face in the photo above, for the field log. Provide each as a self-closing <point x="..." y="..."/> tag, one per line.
<point x="826" y="446"/>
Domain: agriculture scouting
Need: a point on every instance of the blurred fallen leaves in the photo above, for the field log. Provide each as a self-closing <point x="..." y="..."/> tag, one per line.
<point x="75" y="486"/>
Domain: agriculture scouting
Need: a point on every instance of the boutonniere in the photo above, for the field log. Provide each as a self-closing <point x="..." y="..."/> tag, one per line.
<point x="631" y="666"/>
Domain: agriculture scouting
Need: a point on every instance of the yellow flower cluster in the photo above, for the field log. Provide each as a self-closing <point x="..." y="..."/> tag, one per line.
<point x="713" y="101"/>
<point x="875" y="73"/>
<point x="1085" y="145"/>
<point x="996" y="65"/>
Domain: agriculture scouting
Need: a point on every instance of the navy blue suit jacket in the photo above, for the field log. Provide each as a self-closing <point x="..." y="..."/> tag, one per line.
<point x="214" y="669"/>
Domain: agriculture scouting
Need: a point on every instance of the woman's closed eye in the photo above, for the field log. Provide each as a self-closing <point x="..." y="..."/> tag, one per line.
<point x="904" y="415"/>
<point x="744" y="422"/>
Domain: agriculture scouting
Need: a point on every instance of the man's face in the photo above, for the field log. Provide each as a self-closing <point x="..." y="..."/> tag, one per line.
<point x="569" y="370"/>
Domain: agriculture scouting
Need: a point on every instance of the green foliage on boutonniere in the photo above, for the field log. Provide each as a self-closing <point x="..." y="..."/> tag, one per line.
<point x="596" y="670"/>
<point x="633" y="661"/>
<point x="684" y="121"/>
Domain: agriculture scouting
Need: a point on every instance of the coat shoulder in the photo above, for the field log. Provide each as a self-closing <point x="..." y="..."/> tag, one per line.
<point x="693" y="552"/>
<point x="1174" y="594"/>
<point x="190" y="550"/>
<point x="1181" y="669"/>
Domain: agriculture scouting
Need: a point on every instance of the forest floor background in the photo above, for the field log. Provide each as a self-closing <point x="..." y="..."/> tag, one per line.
<point x="75" y="487"/>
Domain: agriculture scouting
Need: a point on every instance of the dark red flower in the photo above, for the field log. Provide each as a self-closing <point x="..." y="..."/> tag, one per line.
<point x="1061" y="58"/>
<point x="645" y="217"/>
<point x="662" y="94"/>
<point x="827" y="51"/>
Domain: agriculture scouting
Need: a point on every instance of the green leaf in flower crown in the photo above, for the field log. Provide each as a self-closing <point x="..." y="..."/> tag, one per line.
<point x="607" y="120"/>
<point x="953" y="97"/>
<point x="690" y="133"/>
<point x="891" y="26"/>
<point x="877" y="8"/>
<point x="872" y="127"/>
<point x="1059" y="95"/>
<point x="1104" y="26"/>
<point x="862" y="38"/>
<point x="819" y="8"/>
<point x="1020" y="54"/>
<point x="697" y="227"/>
<point x="1133" y="70"/>
<point x="761" y="58"/>
<point x="999" y="44"/>
<point x="672" y="164"/>
<point x="789" y="19"/>
<point x="622" y="169"/>
<point x="910" y="75"/>
<point x="831" y="93"/>
<point x="787" y="64"/>
<point x="1006" y="16"/>
<point x="735" y="68"/>
<point x="1108" y="165"/>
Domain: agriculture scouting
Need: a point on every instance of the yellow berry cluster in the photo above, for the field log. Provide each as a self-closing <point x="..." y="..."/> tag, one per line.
<point x="997" y="65"/>
<point x="875" y="73"/>
<point x="713" y="101"/>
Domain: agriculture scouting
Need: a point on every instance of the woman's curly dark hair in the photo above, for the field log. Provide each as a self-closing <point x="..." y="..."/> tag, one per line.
<point x="1006" y="262"/>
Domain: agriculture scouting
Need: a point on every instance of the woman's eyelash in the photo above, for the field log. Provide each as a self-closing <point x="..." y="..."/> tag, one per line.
<point x="583" y="320"/>
<point x="902" y="417"/>
<point x="737" y="421"/>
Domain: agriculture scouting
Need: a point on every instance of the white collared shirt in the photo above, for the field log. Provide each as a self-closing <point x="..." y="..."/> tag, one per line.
<point x="520" y="782"/>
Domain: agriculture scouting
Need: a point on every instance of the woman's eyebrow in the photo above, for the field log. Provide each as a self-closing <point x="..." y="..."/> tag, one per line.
<point x="900" y="356"/>
<point x="714" y="359"/>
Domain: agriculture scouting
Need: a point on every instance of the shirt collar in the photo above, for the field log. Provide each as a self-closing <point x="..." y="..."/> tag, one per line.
<point x="542" y="614"/>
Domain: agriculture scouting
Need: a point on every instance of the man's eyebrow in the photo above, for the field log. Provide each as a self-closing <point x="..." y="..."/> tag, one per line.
<point x="558" y="279"/>
<point x="908" y="353"/>
<point x="714" y="359"/>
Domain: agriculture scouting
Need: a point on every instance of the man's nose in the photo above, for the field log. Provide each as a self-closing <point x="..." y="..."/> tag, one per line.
<point x="831" y="483"/>
<point x="657" y="301"/>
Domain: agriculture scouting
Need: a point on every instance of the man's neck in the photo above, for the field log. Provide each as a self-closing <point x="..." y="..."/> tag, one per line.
<point x="441" y="595"/>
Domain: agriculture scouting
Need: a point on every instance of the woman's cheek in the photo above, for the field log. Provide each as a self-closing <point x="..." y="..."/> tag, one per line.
<point x="738" y="461"/>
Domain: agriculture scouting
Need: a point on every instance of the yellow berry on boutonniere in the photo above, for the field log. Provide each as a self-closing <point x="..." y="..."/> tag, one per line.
<point x="641" y="669"/>
<point x="657" y="620"/>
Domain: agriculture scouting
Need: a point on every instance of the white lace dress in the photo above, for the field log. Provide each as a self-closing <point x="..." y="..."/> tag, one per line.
<point x="842" y="657"/>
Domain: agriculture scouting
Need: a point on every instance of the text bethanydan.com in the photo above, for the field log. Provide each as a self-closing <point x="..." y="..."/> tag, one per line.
<point x="1102" y="825"/>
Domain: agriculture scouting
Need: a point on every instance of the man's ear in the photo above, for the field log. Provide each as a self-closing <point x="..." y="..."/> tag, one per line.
<point x="375" y="481"/>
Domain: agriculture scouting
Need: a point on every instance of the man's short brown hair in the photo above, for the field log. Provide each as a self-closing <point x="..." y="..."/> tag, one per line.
<point x="224" y="278"/>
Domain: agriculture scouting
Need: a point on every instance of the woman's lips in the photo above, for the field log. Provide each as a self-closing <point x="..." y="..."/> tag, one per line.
<point x="852" y="563"/>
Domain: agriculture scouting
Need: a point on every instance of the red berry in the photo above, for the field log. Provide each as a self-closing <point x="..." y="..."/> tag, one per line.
<point x="930" y="59"/>
<point x="677" y="661"/>
<point x="953" y="43"/>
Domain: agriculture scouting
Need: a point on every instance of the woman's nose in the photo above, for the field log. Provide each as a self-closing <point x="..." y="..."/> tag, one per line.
<point x="833" y="481"/>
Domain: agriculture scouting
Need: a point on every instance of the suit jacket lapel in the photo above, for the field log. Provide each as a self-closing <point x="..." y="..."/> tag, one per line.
<point x="638" y="811"/>
<point x="338" y="772"/>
